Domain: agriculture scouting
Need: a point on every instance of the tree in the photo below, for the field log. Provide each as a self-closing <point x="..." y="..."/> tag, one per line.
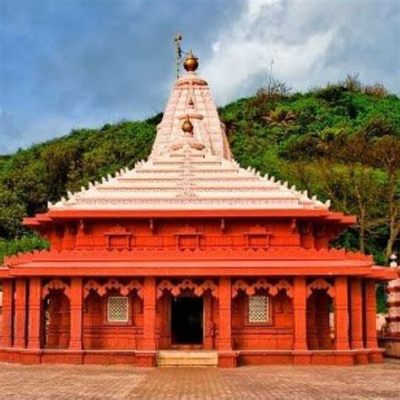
<point x="11" y="214"/>
<point x="386" y="155"/>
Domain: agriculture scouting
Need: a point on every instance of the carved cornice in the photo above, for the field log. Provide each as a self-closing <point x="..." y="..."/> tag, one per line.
<point x="55" y="284"/>
<point x="261" y="284"/>
<point x="113" y="284"/>
<point x="320" y="284"/>
<point x="187" y="284"/>
<point x="279" y="253"/>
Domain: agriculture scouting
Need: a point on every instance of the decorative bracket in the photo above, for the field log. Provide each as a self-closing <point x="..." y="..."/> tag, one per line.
<point x="187" y="284"/>
<point x="320" y="284"/>
<point x="262" y="284"/>
<point x="113" y="284"/>
<point x="55" y="284"/>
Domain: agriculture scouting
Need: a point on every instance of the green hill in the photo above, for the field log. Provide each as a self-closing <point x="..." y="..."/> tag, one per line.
<point x="340" y="142"/>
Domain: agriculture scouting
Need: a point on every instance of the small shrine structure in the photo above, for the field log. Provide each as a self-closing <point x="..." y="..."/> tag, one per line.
<point x="391" y="336"/>
<point x="190" y="251"/>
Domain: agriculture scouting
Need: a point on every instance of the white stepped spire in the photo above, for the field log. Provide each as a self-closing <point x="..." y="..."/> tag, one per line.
<point x="190" y="167"/>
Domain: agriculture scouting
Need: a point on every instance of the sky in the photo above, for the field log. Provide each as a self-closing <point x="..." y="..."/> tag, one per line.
<point x="83" y="63"/>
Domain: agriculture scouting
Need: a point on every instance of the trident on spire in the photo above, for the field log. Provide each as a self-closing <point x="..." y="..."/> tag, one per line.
<point x="178" y="50"/>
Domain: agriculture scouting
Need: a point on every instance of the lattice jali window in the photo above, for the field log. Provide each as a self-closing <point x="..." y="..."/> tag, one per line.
<point x="117" y="309"/>
<point x="258" y="309"/>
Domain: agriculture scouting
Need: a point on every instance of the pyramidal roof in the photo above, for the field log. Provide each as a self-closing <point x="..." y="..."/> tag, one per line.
<point x="190" y="168"/>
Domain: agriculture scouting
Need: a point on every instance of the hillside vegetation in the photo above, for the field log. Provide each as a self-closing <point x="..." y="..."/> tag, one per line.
<point x="340" y="142"/>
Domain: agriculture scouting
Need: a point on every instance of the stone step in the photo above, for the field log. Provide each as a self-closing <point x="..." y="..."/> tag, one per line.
<point x="187" y="358"/>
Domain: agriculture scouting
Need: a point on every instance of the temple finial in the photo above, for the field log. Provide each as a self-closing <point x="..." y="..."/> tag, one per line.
<point x="178" y="50"/>
<point x="191" y="62"/>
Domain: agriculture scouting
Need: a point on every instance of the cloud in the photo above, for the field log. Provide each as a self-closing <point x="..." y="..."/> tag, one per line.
<point x="304" y="43"/>
<point x="85" y="63"/>
<point x="65" y="64"/>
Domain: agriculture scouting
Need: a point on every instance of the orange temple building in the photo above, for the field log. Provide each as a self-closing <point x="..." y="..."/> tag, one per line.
<point x="189" y="251"/>
<point x="391" y="336"/>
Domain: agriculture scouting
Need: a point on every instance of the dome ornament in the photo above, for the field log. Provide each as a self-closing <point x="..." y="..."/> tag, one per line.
<point x="191" y="62"/>
<point x="187" y="126"/>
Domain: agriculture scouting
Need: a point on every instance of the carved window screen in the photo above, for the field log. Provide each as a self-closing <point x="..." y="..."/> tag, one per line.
<point x="117" y="309"/>
<point x="258" y="309"/>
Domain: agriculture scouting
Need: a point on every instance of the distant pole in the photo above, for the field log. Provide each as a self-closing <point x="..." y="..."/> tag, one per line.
<point x="271" y="69"/>
<point x="178" y="52"/>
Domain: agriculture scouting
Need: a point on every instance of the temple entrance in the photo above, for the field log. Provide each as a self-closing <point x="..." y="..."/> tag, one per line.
<point x="187" y="321"/>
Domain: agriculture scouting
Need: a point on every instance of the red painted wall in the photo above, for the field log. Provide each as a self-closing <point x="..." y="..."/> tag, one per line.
<point x="277" y="334"/>
<point x="189" y="233"/>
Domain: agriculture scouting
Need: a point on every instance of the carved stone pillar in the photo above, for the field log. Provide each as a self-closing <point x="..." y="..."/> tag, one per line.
<point x="149" y="314"/>
<point x="341" y="314"/>
<point x="35" y="303"/>
<point x="7" y="322"/>
<point x="209" y="324"/>
<point x="20" y="313"/>
<point x="146" y="355"/>
<point x="225" y="314"/>
<point x="300" y="314"/>
<point x="376" y="355"/>
<point x="356" y="314"/>
<point x="226" y="358"/>
<point x="76" y="301"/>
<point x="370" y="315"/>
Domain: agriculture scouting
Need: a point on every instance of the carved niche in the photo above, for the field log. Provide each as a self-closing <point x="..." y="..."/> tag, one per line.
<point x="119" y="238"/>
<point x="257" y="237"/>
<point x="188" y="237"/>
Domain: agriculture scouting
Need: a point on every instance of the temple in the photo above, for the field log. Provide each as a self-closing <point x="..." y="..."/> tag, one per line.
<point x="189" y="254"/>
<point x="390" y="337"/>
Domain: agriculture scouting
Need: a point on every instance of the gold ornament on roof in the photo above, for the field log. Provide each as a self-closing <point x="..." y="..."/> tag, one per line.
<point x="187" y="126"/>
<point x="191" y="62"/>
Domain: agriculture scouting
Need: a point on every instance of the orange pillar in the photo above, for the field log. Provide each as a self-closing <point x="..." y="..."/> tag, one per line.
<point x="341" y="313"/>
<point x="370" y="315"/>
<point x="226" y="355"/>
<point x="75" y="341"/>
<point x="35" y="300"/>
<point x="149" y="314"/>
<point x="225" y="315"/>
<point x="7" y="313"/>
<point x="145" y="356"/>
<point x="20" y="313"/>
<point x="300" y="314"/>
<point x="356" y="314"/>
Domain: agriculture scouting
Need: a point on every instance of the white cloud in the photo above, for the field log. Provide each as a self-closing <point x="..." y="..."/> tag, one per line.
<point x="310" y="42"/>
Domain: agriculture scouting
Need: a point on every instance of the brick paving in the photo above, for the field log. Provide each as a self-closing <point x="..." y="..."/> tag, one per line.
<point x="267" y="382"/>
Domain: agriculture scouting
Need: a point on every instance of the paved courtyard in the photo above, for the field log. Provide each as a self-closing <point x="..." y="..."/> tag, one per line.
<point x="268" y="382"/>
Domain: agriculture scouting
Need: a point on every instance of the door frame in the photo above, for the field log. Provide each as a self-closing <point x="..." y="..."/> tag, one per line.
<point x="189" y="346"/>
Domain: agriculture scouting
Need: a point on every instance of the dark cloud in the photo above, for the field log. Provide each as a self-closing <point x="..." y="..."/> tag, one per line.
<point x="84" y="63"/>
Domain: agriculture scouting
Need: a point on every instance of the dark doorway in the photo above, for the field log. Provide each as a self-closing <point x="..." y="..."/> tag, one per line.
<point x="187" y="320"/>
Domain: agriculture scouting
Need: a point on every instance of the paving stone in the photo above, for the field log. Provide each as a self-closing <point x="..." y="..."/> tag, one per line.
<point x="85" y="382"/>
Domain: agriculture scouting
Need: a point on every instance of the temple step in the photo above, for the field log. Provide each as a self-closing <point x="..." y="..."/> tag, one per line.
<point x="187" y="358"/>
